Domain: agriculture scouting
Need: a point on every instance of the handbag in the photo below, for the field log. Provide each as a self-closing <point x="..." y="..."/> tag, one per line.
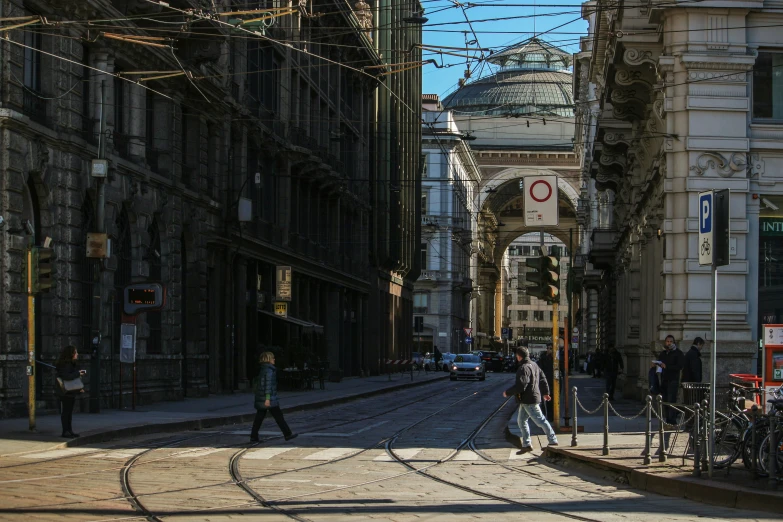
<point x="73" y="385"/>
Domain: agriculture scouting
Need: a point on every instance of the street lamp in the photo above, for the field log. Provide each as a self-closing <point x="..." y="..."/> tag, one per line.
<point x="416" y="18"/>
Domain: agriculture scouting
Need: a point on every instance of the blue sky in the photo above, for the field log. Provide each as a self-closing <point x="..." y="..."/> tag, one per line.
<point x="447" y="23"/>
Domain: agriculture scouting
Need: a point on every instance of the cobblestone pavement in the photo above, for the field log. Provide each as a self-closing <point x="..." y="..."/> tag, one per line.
<point x="435" y="452"/>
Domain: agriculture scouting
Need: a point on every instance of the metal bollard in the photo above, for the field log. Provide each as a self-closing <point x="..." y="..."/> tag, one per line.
<point x="573" y="432"/>
<point x="754" y="411"/>
<point x="773" y="454"/>
<point x="662" y="439"/>
<point x="605" y="450"/>
<point x="648" y="432"/>
<point x="696" y="433"/>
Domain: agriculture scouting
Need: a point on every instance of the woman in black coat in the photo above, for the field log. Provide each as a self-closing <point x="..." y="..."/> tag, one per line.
<point x="266" y="398"/>
<point x="67" y="371"/>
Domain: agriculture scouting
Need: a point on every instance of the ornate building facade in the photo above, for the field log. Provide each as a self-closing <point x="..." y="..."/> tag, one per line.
<point x="299" y="122"/>
<point x="674" y="99"/>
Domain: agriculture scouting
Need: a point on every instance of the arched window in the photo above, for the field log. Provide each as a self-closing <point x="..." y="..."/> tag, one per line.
<point x="154" y="342"/>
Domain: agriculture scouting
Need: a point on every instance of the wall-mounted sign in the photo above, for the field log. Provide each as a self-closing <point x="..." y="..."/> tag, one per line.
<point x="281" y="309"/>
<point x="97" y="245"/>
<point x="143" y="297"/>
<point x="284" y="283"/>
<point x="771" y="226"/>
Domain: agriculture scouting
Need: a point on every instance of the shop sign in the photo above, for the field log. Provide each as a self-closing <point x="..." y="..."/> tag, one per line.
<point x="281" y="309"/>
<point x="283" y="283"/>
<point x="771" y="226"/>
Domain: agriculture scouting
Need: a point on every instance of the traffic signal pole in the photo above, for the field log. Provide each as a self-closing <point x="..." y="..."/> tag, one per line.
<point x="97" y="286"/>
<point x="556" y="384"/>
<point x="30" y="340"/>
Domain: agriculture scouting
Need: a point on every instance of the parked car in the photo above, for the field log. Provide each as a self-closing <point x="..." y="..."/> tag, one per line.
<point x="431" y="366"/>
<point x="467" y="366"/>
<point x="510" y="363"/>
<point x="417" y="360"/>
<point x="493" y="361"/>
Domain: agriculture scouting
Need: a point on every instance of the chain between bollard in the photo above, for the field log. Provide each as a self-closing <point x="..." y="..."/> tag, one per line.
<point x="648" y="432"/>
<point x="589" y="412"/>
<point x="641" y="412"/>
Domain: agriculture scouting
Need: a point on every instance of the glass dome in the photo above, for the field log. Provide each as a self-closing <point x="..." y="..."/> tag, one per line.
<point x="533" y="81"/>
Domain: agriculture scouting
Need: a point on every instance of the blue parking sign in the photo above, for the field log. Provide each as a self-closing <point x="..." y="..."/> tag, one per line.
<point x="468" y="340"/>
<point x="706" y="214"/>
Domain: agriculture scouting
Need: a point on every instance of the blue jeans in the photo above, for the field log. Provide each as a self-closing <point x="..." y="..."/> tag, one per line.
<point x="533" y="411"/>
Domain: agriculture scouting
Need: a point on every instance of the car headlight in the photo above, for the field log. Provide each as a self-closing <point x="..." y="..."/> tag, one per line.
<point x="453" y="367"/>
<point x="478" y="367"/>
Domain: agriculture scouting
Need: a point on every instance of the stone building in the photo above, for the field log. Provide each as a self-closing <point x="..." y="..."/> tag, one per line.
<point x="200" y="115"/>
<point x="674" y="99"/>
<point x="450" y="236"/>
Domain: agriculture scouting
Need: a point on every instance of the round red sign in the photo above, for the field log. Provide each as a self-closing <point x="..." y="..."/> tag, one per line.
<point x="548" y="189"/>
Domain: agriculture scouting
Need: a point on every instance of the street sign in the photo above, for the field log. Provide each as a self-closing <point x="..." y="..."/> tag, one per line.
<point x="705" y="228"/>
<point x="127" y="343"/>
<point x="541" y="201"/>
<point x="773" y="335"/>
<point x="721" y="234"/>
<point x="505" y="333"/>
<point x="468" y="340"/>
<point x="468" y="332"/>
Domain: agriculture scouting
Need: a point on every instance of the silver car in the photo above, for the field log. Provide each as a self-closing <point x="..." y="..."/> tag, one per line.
<point x="467" y="366"/>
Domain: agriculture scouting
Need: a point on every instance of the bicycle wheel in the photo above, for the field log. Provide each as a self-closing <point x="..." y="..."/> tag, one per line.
<point x="762" y="429"/>
<point x="728" y="442"/>
<point x="764" y="453"/>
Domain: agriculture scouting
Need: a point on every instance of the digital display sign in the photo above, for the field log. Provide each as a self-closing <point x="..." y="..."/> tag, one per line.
<point x="143" y="297"/>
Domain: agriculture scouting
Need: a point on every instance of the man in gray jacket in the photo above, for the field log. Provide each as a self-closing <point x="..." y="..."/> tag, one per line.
<point x="529" y="385"/>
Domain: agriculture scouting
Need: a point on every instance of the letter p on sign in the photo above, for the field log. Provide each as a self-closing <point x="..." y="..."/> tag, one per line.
<point x="705" y="228"/>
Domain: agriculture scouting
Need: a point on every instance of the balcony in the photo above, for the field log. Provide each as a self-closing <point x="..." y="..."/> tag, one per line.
<point x="603" y="248"/>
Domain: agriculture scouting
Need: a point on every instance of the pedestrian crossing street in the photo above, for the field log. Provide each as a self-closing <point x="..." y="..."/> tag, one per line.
<point x="292" y="452"/>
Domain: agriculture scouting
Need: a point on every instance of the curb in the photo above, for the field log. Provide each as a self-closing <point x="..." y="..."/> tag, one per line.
<point x="681" y="487"/>
<point x="212" y="422"/>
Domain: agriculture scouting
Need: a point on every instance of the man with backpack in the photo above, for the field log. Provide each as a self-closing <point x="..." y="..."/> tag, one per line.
<point x="529" y="386"/>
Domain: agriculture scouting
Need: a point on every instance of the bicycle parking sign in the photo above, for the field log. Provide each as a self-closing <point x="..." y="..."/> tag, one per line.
<point x="705" y="228"/>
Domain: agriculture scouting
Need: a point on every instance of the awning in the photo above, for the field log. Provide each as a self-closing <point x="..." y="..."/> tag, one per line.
<point x="316" y="328"/>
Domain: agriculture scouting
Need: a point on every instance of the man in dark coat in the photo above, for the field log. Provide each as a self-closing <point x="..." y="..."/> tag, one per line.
<point x="613" y="366"/>
<point x="529" y="386"/>
<point x="692" y="371"/>
<point x="672" y="361"/>
<point x="547" y="364"/>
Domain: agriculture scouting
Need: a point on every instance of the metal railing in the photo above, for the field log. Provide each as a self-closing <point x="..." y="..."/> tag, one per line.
<point x="757" y="437"/>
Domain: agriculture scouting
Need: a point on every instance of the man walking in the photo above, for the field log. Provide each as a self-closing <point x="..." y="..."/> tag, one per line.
<point x="692" y="370"/>
<point x="529" y="385"/>
<point x="612" y="367"/>
<point x="671" y="360"/>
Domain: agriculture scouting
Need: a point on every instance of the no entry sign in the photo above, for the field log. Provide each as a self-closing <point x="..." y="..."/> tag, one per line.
<point x="541" y="201"/>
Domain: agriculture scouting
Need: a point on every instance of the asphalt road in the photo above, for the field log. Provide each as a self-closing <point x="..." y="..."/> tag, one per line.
<point x="434" y="452"/>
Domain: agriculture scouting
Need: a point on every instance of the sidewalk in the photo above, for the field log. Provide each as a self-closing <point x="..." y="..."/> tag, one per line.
<point x="625" y="463"/>
<point x="191" y="413"/>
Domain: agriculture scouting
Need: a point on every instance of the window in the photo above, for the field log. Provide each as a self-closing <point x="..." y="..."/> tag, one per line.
<point x="420" y="303"/>
<point x="551" y="316"/>
<point x="519" y="315"/>
<point x="424" y="256"/>
<point x="538" y="315"/>
<point x="424" y="204"/>
<point x="523" y="298"/>
<point x="424" y="169"/>
<point x="768" y="86"/>
<point x="526" y="250"/>
<point x="524" y="315"/>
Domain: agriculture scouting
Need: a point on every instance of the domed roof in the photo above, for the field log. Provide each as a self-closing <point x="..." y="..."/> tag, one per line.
<point x="533" y="81"/>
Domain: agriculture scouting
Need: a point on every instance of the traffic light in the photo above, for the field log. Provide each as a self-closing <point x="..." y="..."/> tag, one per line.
<point x="542" y="280"/>
<point x="42" y="269"/>
<point x="533" y="277"/>
<point x="550" y="279"/>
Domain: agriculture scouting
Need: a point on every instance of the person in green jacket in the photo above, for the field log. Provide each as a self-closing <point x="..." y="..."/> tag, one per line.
<point x="266" y="398"/>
